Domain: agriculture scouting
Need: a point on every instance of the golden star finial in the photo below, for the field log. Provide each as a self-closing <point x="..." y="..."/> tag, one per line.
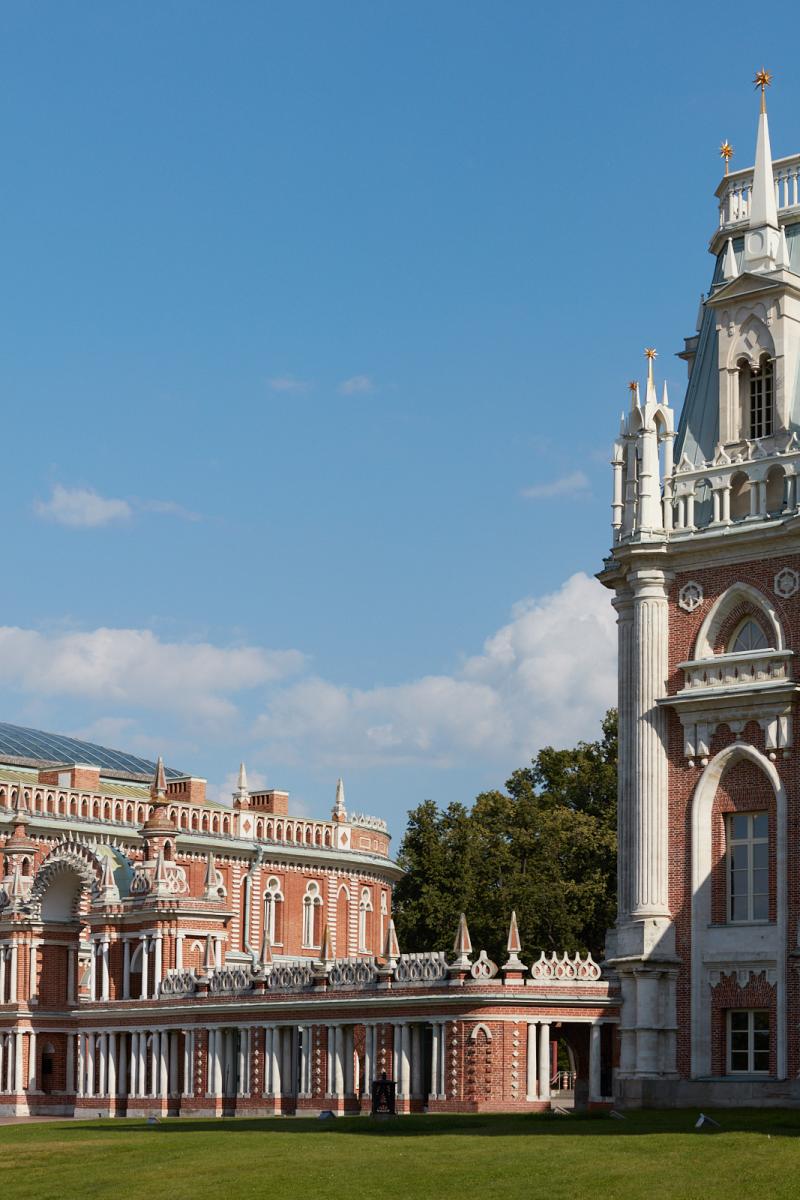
<point x="651" y="353"/>
<point x="763" y="79"/>
<point x="726" y="152"/>
<point x="633" y="386"/>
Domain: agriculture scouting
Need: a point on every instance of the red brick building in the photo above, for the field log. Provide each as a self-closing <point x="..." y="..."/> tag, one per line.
<point x="163" y="953"/>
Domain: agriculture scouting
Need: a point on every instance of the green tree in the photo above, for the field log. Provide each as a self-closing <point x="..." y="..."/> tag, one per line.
<point x="546" y="847"/>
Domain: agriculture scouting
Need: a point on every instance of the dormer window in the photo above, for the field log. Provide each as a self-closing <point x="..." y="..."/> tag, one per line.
<point x="758" y="393"/>
<point x="749" y="637"/>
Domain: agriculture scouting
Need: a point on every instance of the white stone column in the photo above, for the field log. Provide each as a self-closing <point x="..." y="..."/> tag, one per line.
<point x="179" y="951"/>
<point x="122" y="1065"/>
<point x="595" y="1064"/>
<point x="157" y="964"/>
<point x="305" y="1060"/>
<point x="266" y="1089"/>
<point x="155" y="1065"/>
<point x="33" y="964"/>
<point x="133" y="1082"/>
<point x="544" y="1060"/>
<point x="436" y="1037"/>
<point x="416" y="1060"/>
<point x="93" y="971"/>
<point x="627" y="1029"/>
<point x="338" y="1063"/>
<point x="530" y="1063"/>
<point x="69" y="1082"/>
<point x="126" y="969"/>
<point x="105" y="980"/>
<point x="349" y="1086"/>
<point x="405" y="1061"/>
<point x="2" y="1062"/>
<point x="369" y="1059"/>
<point x="172" y="1086"/>
<point x="188" y="1062"/>
<point x="142" y="1066"/>
<point x="275" y="1063"/>
<point x="32" y="1061"/>
<point x="90" y="1048"/>
<point x="219" y="1062"/>
<point x="18" y="1061"/>
<point x="80" y="1074"/>
<point x="3" y="957"/>
<point x="145" y="965"/>
<point x="13" y="982"/>
<point x="241" y="1085"/>
<point x="212" y="1035"/>
<point x="163" y="1065"/>
<point x="111" y="1068"/>
<point x="648" y="818"/>
<point x="647" y="1023"/>
<point x="331" y="1057"/>
<point x="102" y="1063"/>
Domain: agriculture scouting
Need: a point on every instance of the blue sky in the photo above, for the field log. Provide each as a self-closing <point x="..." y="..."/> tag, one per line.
<point x="315" y="326"/>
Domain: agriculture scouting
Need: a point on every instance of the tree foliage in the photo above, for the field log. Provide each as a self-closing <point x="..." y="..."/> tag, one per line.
<point x="545" y="847"/>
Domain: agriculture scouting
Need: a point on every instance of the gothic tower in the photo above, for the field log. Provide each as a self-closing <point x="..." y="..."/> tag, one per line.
<point x="705" y="568"/>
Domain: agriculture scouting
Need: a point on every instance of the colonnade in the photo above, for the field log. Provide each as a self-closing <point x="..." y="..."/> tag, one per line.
<point x="137" y="1064"/>
<point x="12" y="1060"/>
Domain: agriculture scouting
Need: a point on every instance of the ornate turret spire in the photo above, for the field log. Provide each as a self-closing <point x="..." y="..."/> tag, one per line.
<point x="513" y="946"/>
<point x="462" y="947"/>
<point x="761" y="248"/>
<point x="326" y="949"/>
<point x="339" y="810"/>
<point x="241" y="797"/>
<point x="391" y="946"/>
<point x="158" y="788"/>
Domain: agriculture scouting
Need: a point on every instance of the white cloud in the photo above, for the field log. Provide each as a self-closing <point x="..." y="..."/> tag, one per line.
<point x="357" y="385"/>
<point x="134" y="667"/>
<point x="546" y="676"/>
<point x="82" y="508"/>
<point x="288" y="383"/>
<point x="169" y="508"/>
<point x="574" y="485"/>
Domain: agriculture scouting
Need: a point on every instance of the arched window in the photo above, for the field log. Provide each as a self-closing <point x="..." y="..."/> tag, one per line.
<point x="749" y="637"/>
<point x="757" y="393"/>
<point x="273" y="912"/>
<point x="364" y="920"/>
<point x="312" y="915"/>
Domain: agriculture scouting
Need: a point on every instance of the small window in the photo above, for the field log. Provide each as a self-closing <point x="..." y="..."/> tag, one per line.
<point x="761" y="394"/>
<point x="748" y="1042"/>
<point x="750" y="637"/>
<point x="748" y="867"/>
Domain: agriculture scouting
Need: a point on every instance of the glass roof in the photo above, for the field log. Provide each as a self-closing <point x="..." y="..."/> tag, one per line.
<point x="18" y="742"/>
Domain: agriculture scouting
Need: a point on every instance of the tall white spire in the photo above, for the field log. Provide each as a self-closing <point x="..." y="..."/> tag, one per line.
<point x="762" y="241"/>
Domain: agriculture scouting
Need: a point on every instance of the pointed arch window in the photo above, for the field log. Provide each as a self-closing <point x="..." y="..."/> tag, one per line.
<point x="312" y="916"/>
<point x="749" y="637"/>
<point x="364" y="920"/>
<point x="273" y="912"/>
<point x="760" y="397"/>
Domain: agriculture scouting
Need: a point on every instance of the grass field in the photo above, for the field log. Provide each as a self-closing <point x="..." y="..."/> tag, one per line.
<point x="756" y="1153"/>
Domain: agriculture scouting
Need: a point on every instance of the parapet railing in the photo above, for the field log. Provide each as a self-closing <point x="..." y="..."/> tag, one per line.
<point x="735" y="191"/>
<point x="746" y="668"/>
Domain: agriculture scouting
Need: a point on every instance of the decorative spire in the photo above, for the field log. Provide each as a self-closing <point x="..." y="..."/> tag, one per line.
<point x="391" y="946"/>
<point x="763" y="209"/>
<point x="20" y="804"/>
<point x="158" y="788"/>
<point x="210" y="883"/>
<point x="633" y="388"/>
<point x="650" y="354"/>
<point x="326" y="949"/>
<point x="339" y="810"/>
<point x="242" y="778"/>
<point x="665" y="395"/>
<point x="462" y="947"/>
<point x="108" y="886"/>
<point x="241" y="797"/>
<point x="209" y="962"/>
<point x="729" y="268"/>
<point x="726" y="152"/>
<point x="783" y="252"/>
<point x="513" y="946"/>
<point x="266" y="950"/>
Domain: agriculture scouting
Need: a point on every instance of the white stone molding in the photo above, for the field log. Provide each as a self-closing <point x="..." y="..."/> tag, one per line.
<point x="690" y="596"/>
<point x="742" y="971"/>
<point x="786" y="583"/>
<point x="737" y="593"/>
<point x="702" y="934"/>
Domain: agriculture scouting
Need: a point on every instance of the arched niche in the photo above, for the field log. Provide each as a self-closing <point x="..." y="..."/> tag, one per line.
<point x="744" y="596"/>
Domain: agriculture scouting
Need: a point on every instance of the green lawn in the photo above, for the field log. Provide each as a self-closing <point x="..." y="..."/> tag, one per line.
<point x="757" y="1153"/>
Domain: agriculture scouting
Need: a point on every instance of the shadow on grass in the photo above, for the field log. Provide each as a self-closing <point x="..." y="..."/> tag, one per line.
<point x="771" y="1122"/>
